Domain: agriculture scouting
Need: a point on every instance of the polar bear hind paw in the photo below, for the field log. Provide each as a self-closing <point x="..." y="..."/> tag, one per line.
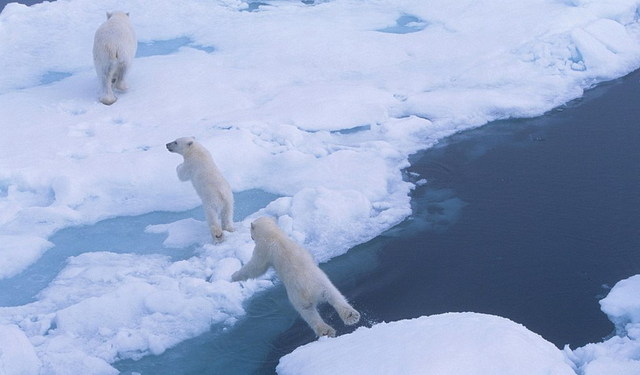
<point x="349" y="316"/>
<point x="122" y="85"/>
<point x="216" y="232"/>
<point x="108" y="100"/>
<point x="325" y="330"/>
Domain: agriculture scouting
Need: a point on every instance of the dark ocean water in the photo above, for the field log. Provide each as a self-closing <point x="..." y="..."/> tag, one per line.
<point x="24" y="2"/>
<point x="551" y="220"/>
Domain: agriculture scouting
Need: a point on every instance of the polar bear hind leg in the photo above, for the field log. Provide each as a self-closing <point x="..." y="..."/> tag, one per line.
<point x="348" y="314"/>
<point x="311" y="315"/>
<point x="120" y="83"/>
<point x="108" y="77"/>
<point x="213" y="220"/>
<point x="227" y="217"/>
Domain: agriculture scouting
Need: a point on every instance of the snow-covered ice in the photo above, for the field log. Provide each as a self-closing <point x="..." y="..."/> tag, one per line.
<point x="452" y="343"/>
<point x="619" y="354"/>
<point x="317" y="106"/>
<point x="472" y="343"/>
<point x="17" y="355"/>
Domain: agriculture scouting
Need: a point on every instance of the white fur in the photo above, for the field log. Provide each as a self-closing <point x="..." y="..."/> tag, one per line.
<point x="114" y="47"/>
<point x="306" y="284"/>
<point x="213" y="189"/>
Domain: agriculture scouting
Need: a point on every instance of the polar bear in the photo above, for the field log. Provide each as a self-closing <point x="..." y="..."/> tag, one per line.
<point x="212" y="188"/>
<point x="306" y="284"/>
<point x="114" y="46"/>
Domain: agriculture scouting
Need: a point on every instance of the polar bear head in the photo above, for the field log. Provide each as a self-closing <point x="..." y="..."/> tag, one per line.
<point x="181" y="145"/>
<point x="263" y="228"/>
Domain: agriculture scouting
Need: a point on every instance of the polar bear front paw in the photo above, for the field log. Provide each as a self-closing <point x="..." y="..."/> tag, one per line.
<point x="325" y="330"/>
<point x="237" y="276"/>
<point x="349" y="316"/>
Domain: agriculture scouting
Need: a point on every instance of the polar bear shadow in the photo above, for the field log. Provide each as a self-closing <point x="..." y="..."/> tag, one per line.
<point x="305" y="283"/>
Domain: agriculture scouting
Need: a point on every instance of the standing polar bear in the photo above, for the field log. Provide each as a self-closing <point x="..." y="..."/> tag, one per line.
<point x="212" y="188"/>
<point x="306" y="284"/>
<point x="114" y="47"/>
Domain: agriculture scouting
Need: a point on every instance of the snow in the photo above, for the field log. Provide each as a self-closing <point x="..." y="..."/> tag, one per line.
<point x="31" y="248"/>
<point x="619" y="354"/>
<point x="452" y="343"/>
<point x="17" y="356"/>
<point x="315" y="106"/>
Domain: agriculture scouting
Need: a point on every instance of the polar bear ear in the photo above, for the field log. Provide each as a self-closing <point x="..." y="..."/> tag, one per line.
<point x="109" y="14"/>
<point x="127" y="14"/>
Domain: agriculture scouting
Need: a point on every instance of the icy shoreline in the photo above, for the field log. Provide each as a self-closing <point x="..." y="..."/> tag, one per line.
<point x="503" y="158"/>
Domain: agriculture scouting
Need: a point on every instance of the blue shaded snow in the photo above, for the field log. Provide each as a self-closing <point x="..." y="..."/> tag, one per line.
<point x="52" y="76"/>
<point x="405" y="24"/>
<point x="254" y="6"/>
<point x="169" y="46"/>
<point x="118" y="235"/>
<point x="356" y="129"/>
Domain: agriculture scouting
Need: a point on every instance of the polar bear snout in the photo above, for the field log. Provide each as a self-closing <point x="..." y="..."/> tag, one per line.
<point x="182" y="145"/>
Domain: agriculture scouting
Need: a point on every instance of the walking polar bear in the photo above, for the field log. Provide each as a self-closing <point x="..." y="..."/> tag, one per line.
<point x="306" y="284"/>
<point x="114" y="47"/>
<point x="212" y="188"/>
